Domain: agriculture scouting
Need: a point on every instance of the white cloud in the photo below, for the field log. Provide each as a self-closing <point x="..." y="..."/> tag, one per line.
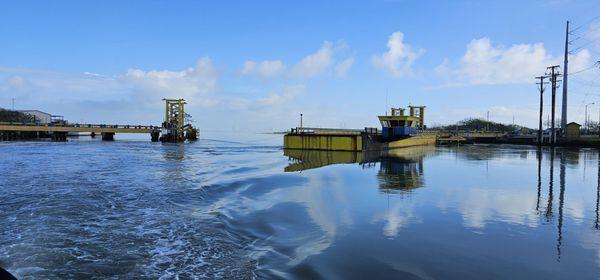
<point x="399" y="58"/>
<point x="314" y="64"/>
<point x="279" y="98"/>
<point x="580" y="61"/>
<point x="479" y="206"/>
<point x="264" y="69"/>
<point x="593" y="34"/>
<point x="310" y="66"/>
<point x="15" y="81"/>
<point x="400" y="214"/>
<point x="194" y="84"/>
<point x="341" y="69"/>
<point x="486" y="64"/>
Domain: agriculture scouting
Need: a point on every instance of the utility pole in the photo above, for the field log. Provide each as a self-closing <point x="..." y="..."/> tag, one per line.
<point x="553" y="79"/>
<point x="563" y="120"/>
<point x="13" y="104"/>
<point x="585" y="120"/>
<point x="541" y="83"/>
<point x="487" y="125"/>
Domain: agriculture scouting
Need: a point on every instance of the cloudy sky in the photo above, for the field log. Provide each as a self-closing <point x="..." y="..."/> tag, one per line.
<point x="256" y="65"/>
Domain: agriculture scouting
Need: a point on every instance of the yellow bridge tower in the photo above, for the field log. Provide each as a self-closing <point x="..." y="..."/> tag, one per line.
<point x="174" y="128"/>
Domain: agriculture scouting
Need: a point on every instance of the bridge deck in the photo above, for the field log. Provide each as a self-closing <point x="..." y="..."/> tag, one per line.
<point x="97" y="128"/>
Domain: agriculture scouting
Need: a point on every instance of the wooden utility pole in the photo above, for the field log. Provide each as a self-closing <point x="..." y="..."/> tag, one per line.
<point x="554" y="73"/>
<point x="541" y="83"/>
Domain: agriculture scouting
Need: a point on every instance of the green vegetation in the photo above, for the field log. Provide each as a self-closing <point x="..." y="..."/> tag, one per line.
<point x="15" y="116"/>
<point x="481" y="125"/>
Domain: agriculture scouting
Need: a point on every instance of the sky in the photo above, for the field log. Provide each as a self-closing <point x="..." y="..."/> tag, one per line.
<point x="255" y="66"/>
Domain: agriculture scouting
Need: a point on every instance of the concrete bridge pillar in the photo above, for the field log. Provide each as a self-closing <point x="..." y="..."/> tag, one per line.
<point x="108" y="136"/>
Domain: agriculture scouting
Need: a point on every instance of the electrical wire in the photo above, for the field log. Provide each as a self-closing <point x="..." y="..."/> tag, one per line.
<point x="585" y="23"/>
<point x="583" y="70"/>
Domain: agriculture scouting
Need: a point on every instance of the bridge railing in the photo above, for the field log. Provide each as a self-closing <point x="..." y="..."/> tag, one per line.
<point x="78" y="125"/>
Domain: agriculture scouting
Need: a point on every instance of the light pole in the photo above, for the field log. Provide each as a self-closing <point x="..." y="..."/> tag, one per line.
<point x="587" y="122"/>
<point x="300" y="120"/>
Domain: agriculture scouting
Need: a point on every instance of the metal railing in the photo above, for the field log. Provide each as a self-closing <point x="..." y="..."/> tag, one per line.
<point x="321" y="130"/>
<point x="77" y="125"/>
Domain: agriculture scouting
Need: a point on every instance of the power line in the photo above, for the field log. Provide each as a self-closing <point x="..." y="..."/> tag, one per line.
<point x="585" y="23"/>
<point x="586" y="82"/>
<point x="587" y="43"/>
<point x="585" y="69"/>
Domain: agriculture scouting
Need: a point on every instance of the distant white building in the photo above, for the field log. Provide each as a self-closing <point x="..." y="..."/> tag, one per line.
<point x="40" y="117"/>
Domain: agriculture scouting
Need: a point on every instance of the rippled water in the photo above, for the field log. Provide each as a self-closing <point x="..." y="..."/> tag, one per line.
<point x="219" y="209"/>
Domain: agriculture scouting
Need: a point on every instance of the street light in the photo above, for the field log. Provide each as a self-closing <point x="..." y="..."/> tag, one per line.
<point x="587" y="123"/>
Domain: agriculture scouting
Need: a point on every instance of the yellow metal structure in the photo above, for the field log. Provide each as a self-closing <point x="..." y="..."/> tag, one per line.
<point x="174" y="121"/>
<point x="348" y="142"/>
<point x="174" y="127"/>
<point x="418" y="112"/>
<point x="450" y="140"/>
<point x="415" y="118"/>
<point x="308" y="159"/>
<point x="399" y="131"/>
<point x="174" y="112"/>
<point x="409" y="142"/>
<point x="325" y="142"/>
<point x="398" y="125"/>
<point x="573" y="131"/>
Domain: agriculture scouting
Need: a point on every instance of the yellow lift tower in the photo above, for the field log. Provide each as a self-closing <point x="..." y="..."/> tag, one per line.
<point x="174" y="128"/>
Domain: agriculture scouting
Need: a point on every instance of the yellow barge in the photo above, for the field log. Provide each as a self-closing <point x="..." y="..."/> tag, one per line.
<point x="398" y="131"/>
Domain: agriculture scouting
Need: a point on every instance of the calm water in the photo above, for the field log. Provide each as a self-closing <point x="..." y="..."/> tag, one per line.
<point x="217" y="209"/>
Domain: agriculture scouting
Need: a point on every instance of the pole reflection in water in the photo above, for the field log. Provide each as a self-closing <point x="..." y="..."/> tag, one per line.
<point x="226" y="210"/>
<point x="597" y="224"/>
<point x="539" y="178"/>
<point x="550" y="187"/>
<point x="561" y="199"/>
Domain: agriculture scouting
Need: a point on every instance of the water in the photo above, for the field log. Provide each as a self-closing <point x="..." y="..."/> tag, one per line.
<point x="218" y="209"/>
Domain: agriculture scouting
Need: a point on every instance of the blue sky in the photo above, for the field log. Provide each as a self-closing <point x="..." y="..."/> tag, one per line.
<point x="255" y="65"/>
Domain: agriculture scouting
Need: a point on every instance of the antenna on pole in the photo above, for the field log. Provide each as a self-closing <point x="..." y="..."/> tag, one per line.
<point x="386" y="101"/>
